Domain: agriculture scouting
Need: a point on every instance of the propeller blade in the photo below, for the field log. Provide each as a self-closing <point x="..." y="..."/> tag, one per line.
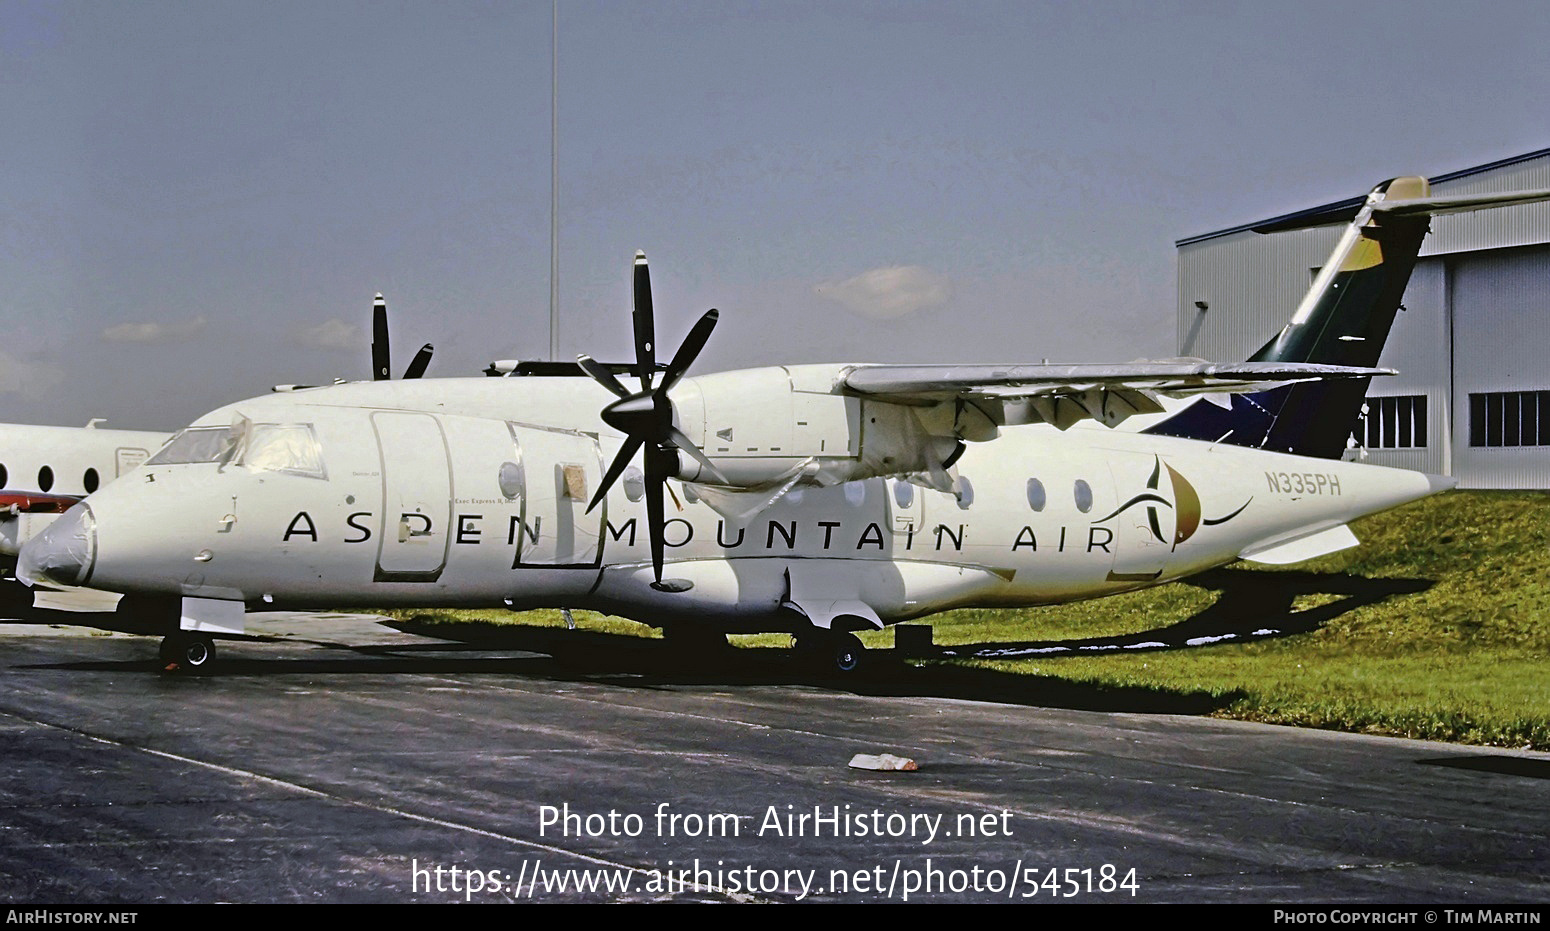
<point x="645" y="417"/>
<point x="380" y="357"/>
<point x="690" y="349"/>
<point x="615" y="469"/>
<point x="676" y="437"/>
<point x="602" y="375"/>
<point x="422" y="360"/>
<point x="645" y="325"/>
<point x="658" y="466"/>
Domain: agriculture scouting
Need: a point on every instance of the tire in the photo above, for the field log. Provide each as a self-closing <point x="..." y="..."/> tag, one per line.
<point x="831" y="652"/>
<point x="192" y="654"/>
<point x="846" y="654"/>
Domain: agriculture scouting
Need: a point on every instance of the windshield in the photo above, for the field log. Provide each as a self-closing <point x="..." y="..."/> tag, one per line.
<point x="291" y="447"/>
<point x="262" y="447"/>
<point x="196" y="444"/>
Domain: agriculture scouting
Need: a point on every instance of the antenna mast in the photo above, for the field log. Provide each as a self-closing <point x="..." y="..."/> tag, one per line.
<point x="554" y="184"/>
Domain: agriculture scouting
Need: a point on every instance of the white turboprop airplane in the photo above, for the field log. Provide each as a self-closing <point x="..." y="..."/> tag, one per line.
<point x="814" y="499"/>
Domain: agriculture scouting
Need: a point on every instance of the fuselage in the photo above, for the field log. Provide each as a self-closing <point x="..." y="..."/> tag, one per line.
<point x="474" y="492"/>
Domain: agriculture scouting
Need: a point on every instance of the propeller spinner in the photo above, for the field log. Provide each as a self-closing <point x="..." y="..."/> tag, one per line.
<point x="645" y="417"/>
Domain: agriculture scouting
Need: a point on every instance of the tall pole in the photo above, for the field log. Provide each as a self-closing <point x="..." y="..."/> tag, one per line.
<point x="554" y="184"/>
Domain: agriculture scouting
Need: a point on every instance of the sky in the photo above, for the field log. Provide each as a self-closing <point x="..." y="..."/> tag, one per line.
<point x="198" y="200"/>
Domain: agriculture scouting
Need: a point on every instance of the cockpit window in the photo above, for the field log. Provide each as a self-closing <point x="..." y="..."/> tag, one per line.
<point x="196" y="444"/>
<point x="291" y="447"/>
<point x="262" y="447"/>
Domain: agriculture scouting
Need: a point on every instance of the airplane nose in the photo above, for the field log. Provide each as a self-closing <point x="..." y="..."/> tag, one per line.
<point x="64" y="552"/>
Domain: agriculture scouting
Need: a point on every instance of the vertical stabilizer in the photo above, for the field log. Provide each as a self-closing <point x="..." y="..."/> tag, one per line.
<point x="1344" y="319"/>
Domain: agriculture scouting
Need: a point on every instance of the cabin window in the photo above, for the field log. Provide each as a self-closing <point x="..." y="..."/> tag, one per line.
<point x="634" y="484"/>
<point x="89" y="481"/>
<point x="511" y="479"/>
<point x="963" y="490"/>
<point x="291" y="448"/>
<point x="196" y="444"/>
<point x="855" y="493"/>
<point x="1084" y="496"/>
<point x="4" y="476"/>
<point x="1036" y="497"/>
<point x="903" y="494"/>
<point x="45" y="478"/>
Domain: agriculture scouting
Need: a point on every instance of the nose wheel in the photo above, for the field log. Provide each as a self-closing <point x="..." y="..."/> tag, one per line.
<point x="187" y="652"/>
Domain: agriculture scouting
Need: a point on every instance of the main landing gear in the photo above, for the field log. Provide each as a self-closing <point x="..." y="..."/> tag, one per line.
<point x="831" y="652"/>
<point x="187" y="652"/>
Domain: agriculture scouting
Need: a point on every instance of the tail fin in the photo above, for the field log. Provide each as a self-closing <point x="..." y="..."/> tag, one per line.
<point x="1344" y="319"/>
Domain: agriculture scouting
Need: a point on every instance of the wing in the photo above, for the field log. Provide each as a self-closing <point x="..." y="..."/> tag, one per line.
<point x="1062" y="395"/>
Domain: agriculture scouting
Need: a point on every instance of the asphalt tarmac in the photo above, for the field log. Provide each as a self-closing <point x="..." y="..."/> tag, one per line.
<point x="334" y="759"/>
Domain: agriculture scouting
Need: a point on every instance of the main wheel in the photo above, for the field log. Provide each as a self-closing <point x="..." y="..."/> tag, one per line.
<point x="831" y="651"/>
<point x="846" y="653"/>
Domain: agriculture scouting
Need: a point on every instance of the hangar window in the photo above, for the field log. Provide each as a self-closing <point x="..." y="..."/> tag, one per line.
<point x="45" y="478"/>
<point x="1084" y="496"/>
<point x="1509" y="418"/>
<point x="1036" y="496"/>
<point x="290" y="447"/>
<point x="196" y="444"/>
<point x="1394" y="423"/>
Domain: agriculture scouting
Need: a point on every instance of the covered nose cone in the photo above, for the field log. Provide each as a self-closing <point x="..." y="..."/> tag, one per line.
<point x="63" y="552"/>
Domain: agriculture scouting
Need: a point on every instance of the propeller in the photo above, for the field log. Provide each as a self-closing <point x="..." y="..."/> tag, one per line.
<point x="380" y="355"/>
<point x="645" y="417"/>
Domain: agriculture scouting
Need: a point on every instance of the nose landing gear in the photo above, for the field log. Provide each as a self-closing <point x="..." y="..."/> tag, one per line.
<point x="188" y="653"/>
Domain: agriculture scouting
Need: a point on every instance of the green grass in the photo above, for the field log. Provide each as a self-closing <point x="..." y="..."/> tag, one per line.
<point x="1437" y="626"/>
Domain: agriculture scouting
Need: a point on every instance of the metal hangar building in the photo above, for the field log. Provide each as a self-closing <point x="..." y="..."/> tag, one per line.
<point x="1472" y="345"/>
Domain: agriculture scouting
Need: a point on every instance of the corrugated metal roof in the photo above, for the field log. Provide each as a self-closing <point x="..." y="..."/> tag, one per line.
<point x="1341" y="210"/>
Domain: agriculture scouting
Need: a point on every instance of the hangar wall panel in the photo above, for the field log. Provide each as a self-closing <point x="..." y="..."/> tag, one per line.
<point x="1418" y="349"/>
<point x="1501" y="342"/>
<point x="1251" y="285"/>
<point x="1500" y="228"/>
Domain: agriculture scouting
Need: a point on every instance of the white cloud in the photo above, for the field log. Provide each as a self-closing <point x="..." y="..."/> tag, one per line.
<point x="331" y="334"/>
<point x="884" y="293"/>
<point x="155" y="332"/>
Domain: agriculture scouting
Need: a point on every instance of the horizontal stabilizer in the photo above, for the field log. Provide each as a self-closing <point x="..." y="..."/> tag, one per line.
<point x="1458" y="203"/>
<point x="1346" y="210"/>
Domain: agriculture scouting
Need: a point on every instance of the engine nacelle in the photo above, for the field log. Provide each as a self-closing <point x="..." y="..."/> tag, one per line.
<point x="764" y="427"/>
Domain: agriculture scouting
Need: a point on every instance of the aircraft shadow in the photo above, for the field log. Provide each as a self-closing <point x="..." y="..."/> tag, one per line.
<point x="1254" y="604"/>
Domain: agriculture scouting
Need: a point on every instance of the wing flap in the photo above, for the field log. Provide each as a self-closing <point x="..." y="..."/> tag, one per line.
<point x="1063" y="395"/>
